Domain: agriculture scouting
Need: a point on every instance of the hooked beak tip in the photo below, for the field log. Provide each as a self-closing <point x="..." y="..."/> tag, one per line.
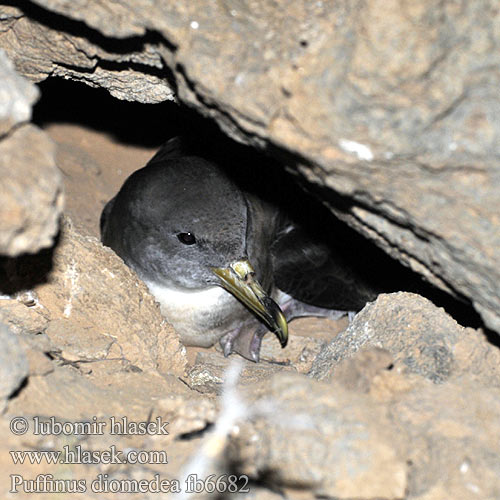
<point x="239" y="280"/>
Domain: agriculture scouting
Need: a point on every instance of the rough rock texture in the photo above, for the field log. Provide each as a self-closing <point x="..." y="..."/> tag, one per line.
<point x="405" y="438"/>
<point x="31" y="183"/>
<point x="208" y="373"/>
<point x="13" y="364"/>
<point x="22" y="318"/>
<point x="435" y="422"/>
<point x="391" y="109"/>
<point x="73" y="395"/>
<point x="453" y="439"/>
<point x="127" y="69"/>
<point x="391" y="105"/>
<point x="17" y="96"/>
<point x="99" y="309"/>
<point x="421" y="338"/>
<point x="342" y="447"/>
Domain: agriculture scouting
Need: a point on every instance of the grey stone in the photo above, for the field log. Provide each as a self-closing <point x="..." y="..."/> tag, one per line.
<point x="13" y="364"/>
<point x="306" y="435"/>
<point x="17" y="95"/>
<point x="31" y="183"/>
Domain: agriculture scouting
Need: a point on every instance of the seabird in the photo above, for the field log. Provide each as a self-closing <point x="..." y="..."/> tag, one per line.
<point x="224" y="264"/>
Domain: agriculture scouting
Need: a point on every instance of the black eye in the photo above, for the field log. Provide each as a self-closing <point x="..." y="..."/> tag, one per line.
<point x="187" y="238"/>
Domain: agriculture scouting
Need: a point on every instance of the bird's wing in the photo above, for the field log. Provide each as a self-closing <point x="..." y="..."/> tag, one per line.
<point x="312" y="272"/>
<point x="173" y="148"/>
<point x="262" y="221"/>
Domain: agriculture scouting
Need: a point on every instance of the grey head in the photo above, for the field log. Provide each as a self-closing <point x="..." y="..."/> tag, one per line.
<point x="175" y="220"/>
<point x="181" y="223"/>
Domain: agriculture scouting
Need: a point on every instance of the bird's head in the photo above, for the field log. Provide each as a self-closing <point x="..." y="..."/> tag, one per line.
<point x="189" y="224"/>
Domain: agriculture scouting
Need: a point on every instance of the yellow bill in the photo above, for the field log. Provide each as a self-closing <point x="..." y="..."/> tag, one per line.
<point x="239" y="280"/>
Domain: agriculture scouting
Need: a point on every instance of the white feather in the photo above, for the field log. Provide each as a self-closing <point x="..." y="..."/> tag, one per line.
<point x="200" y="317"/>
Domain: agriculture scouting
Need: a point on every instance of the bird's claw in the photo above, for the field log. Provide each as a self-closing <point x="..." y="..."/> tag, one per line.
<point x="244" y="341"/>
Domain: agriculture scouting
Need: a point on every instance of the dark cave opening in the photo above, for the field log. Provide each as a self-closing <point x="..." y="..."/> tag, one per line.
<point x="150" y="125"/>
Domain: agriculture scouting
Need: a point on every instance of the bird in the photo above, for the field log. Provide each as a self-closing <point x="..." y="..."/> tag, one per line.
<point x="224" y="264"/>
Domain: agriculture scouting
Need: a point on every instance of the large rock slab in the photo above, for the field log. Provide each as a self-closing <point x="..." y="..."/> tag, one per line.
<point x="405" y="438"/>
<point x="390" y="105"/>
<point x="40" y="46"/>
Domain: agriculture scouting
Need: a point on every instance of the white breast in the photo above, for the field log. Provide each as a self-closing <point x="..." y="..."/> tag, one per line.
<point x="200" y="317"/>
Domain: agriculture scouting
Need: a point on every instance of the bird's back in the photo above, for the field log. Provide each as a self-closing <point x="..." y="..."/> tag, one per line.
<point x="314" y="273"/>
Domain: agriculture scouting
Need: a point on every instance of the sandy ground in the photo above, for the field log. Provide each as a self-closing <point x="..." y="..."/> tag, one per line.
<point x="94" y="165"/>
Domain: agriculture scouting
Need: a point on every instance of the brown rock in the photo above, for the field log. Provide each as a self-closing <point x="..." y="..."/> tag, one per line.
<point x="356" y="373"/>
<point x="303" y="434"/>
<point x="453" y="439"/>
<point x="421" y="338"/>
<point x="31" y="184"/>
<point x="208" y="373"/>
<point x="22" y="319"/>
<point x="70" y="398"/>
<point x="39" y="48"/>
<point x="30" y="192"/>
<point x="188" y="414"/>
<point x="96" y="302"/>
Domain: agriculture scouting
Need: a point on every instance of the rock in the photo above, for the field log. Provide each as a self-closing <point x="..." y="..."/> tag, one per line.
<point x="70" y="396"/>
<point x="79" y="343"/>
<point x="13" y="364"/>
<point x="357" y="373"/>
<point x="453" y="437"/>
<point x="302" y="434"/>
<point x="22" y="319"/>
<point x="39" y="361"/>
<point x="100" y="310"/>
<point x="428" y="439"/>
<point x="300" y="351"/>
<point x="128" y="70"/>
<point x="29" y="323"/>
<point x="188" y="415"/>
<point x="208" y="372"/>
<point x="421" y="338"/>
<point x="389" y="112"/>
<point x="17" y="95"/>
<point x="31" y="183"/>
<point x="30" y="191"/>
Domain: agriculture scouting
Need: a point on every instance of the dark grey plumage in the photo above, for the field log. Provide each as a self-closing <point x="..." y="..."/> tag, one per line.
<point x="243" y="247"/>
